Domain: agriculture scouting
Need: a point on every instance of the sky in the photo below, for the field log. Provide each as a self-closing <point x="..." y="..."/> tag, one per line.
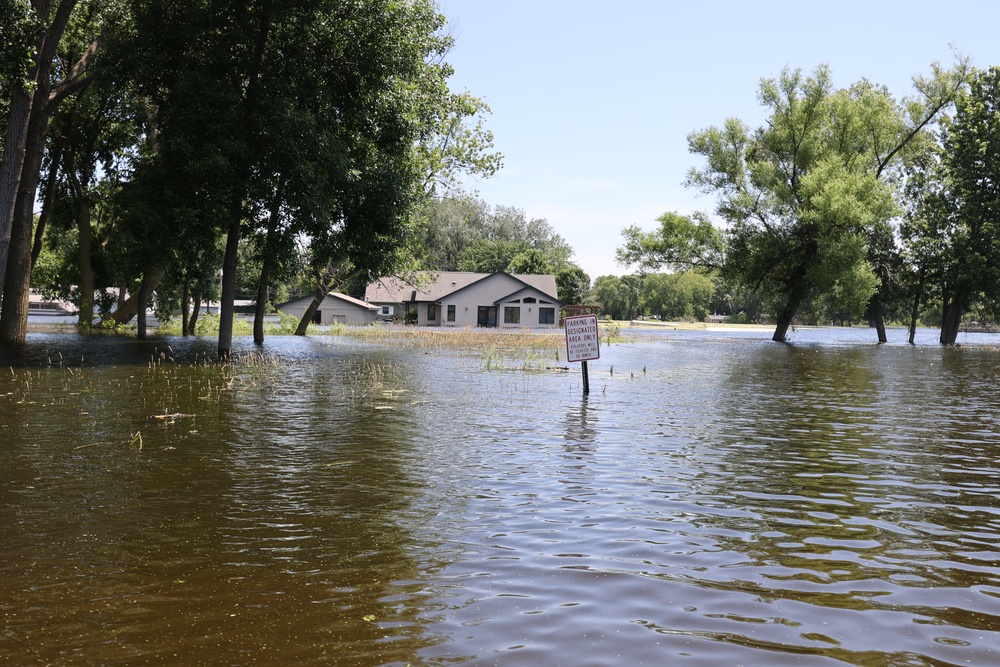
<point x="592" y="101"/>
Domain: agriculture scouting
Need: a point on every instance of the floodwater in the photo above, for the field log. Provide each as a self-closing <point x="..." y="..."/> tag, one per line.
<point x="718" y="499"/>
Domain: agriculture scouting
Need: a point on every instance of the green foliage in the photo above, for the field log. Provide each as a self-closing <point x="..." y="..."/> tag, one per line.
<point x="530" y="261"/>
<point x="679" y="242"/>
<point x="238" y="131"/>
<point x="618" y="297"/>
<point x="490" y="255"/>
<point x="808" y="197"/>
<point x="968" y="220"/>
<point x="678" y="296"/>
<point x="18" y="27"/>
<point x="463" y="234"/>
<point x="208" y="325"/>
<point x="572" y="285"/>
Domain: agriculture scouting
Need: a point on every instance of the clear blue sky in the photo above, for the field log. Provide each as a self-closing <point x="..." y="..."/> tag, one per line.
<point x="592" y="101"/>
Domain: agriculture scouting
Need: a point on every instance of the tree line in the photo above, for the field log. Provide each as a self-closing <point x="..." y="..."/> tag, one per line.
<point x="849" y="203"/>
<point x="463" y="233"/>
<point x="167" y="140"/>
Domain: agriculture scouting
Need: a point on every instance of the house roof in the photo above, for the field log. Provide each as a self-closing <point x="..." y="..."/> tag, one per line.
<point x="335" y="295"/>
<point x="351" y="300"/>
<point x="435" y="285"/>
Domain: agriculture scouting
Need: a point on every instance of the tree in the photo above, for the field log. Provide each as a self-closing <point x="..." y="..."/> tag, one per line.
<point x="530" y="261"/>
<point x="618" y="297"/>
<point x="678" y="296"/>
<point x="251" y="123"/>
<point x="50" y="80"/>
<point x="573" y="285"/>
<point x="971" y="228"/>
<point x="805" y="194"/>
<point x="447" y="226"/>
<point x="680" y="242"/>
<point x="490" y="255"/>
<point x="923" y="231"/>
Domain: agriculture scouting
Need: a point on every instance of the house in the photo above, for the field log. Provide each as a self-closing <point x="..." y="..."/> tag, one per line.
<point x="463" y="299"/>
<point x="39" y="304"/>
<point x="335" y="308"/>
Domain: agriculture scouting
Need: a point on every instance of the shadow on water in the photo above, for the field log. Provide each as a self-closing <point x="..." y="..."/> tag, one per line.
<point x="258" y="524"/>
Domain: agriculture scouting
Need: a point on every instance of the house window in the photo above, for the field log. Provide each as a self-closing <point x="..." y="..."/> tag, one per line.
<point x="386" y="310"/>
<point x="546" y="315"/>
<point x="451" y="313"/>
<point x="512" y="315"/>
<point x="432" y="312"/>
<point x="529" y="299"/>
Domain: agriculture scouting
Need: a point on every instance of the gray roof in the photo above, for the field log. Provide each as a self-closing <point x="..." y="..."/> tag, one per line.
<point x="435" y="285"/>
<point x="352" y="300"/>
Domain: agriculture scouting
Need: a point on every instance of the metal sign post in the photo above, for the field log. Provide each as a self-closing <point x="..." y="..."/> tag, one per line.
<point x="582" y="343"/>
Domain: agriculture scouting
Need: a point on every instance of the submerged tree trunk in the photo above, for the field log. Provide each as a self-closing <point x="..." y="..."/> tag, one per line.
<point x="28" y="118"/>
<point x="915" y="309"/>
<point x="195" y="307"/>
<point x="270" y="243"/>
<point x="795" y="297"/>
<point x="951" y="321"/>
<point x="243" y="170"/>
<point x="144" y="292"/>
<point x="14" y="312"/>
<point x="259" y="310"/>
<point x="228" y="298"/>
<point x="86" y="320"/>
<point x="307" y="317"/>
<point x="878" y="319"/>
<point x="129" y="307"/>
<point x="185" y="298"/>
<point x="17" y="277"/>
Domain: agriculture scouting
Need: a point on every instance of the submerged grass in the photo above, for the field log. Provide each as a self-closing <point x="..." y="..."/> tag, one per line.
<point x="453" y="338"/>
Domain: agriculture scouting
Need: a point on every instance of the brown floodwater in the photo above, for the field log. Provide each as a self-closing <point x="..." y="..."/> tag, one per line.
<point x="718" y="499"/>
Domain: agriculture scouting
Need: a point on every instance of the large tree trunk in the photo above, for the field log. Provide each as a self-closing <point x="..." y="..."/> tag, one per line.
<point x="951" y="321"/>
<point x="11" y="167"/>
<point x="318" y="296"/>
<point x="787" y="314"/>
<point x="24" y="106"/>
<point x="243" y="170"/>
<point x="796" y="295"/>
<point x="17" y="277"/>
<point x="86" y="320"/>
<point x="17" y="283"/>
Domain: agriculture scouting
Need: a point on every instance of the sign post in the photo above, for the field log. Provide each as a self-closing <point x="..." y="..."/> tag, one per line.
<point x="582" y="343"/>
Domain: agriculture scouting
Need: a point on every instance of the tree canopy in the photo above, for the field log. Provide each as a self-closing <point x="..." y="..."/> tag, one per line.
<point x="213" y="130"/>
<point x="809" y="198"/>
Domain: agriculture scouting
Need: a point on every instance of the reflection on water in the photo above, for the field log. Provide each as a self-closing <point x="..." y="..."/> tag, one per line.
<point x="716" y="499"/>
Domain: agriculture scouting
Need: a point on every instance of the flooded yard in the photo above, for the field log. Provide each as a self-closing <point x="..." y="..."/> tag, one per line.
<point x="717" y="499"/>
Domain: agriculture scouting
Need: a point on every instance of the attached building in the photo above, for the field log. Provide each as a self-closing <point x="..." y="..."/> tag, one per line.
<point x="335" y="308"/>
<point x="463" y="299"/>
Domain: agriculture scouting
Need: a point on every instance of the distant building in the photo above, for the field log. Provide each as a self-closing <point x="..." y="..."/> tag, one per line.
<point x="459" y="298"/>
<point x="335" y="308"/>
